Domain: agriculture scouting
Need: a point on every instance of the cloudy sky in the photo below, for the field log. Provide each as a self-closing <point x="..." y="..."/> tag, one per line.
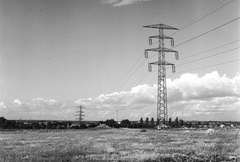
<point x="58" y="54"/>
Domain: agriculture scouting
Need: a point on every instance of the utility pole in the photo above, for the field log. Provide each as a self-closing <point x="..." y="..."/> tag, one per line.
<point x="162" y="111"/>
<point x="80" y="114"/>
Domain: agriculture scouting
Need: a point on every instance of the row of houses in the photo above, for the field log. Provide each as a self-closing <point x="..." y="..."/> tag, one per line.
<point x="212" y="124"/>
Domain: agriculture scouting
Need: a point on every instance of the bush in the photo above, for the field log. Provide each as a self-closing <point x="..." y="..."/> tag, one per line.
<point x="125" y="123"/>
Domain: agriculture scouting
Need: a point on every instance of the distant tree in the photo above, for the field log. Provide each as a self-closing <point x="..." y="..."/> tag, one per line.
<point x="152" y="123"/>
<point x="176" y="122"/>
<point x="158" y="121"/>
<point x="69" y="124"/>
<point x="92" y="125"/>
<point x="14" y="124"/>
<point x="147" y="122"/>
<point x="64" y="125"/>
<point x="141" y="122"/>
<point x="54" y="125"/>
<point x="111" y="123"/>
<point x="164" y="121"/>
<point x="189" y="124"/>
<point x="125" y="123"/>
<point x="35" y="125"/>
<point x="180" y="123"/>
<point x="58" y="125"/>
<point x="20" y="125"/>
<point x="135" y="125"/>
<point x="10" y="124"/>
<point x="7" y="125"/>
<point x="83" y="126"/>
<point x="3" y="122"/>
<point x="207" y="123"/>
<point x="170" y="122"/>
<point x="49" y="125"/>
<point x="43" y="126"/>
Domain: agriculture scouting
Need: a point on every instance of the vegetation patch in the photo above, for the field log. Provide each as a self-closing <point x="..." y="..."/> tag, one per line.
<point x="120" y="145"/>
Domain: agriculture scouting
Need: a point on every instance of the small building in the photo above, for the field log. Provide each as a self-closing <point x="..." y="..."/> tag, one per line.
<point x="222" y="125"/>
<point x="162" y="126"/>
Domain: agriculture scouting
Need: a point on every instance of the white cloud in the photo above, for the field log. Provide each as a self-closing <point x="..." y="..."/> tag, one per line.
<point x="3" y="105"/>
<point x="190" y="97"/>
<point x="191" y="86"/>
<point x="210" y="97"/>
<point x="120" y="3"/>
<point x="38" y="108"/>
<point x="139" y="96"/>
<point x="17" y="102"/>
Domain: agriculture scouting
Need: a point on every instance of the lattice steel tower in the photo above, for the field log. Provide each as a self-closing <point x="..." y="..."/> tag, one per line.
<point x="80" y="114"/>
<point x="162" y="111"/>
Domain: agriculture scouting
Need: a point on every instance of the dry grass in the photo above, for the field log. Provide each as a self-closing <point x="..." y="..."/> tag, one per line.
<point x="120" y="145"/>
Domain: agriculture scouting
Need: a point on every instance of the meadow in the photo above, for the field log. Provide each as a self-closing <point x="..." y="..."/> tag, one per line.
<point x="119" y="145"/>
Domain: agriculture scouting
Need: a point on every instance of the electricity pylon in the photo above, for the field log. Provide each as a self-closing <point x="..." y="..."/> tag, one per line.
<point x="80" y="114"/>
<point x="162" y="111"/>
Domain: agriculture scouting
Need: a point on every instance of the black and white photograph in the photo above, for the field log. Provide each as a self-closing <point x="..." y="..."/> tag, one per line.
<point x="119" y="80"/>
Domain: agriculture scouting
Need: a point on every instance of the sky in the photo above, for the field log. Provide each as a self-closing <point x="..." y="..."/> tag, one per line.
<point x="59" y="54"/>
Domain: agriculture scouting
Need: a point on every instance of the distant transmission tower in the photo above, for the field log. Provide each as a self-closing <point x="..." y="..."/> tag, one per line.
<point x="80" y="114"/>
<point x="162" y="111"/>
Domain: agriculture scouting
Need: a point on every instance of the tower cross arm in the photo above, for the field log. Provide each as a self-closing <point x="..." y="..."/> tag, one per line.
<point x="80" y="111"/>
<point x="161" y="63"/>
<point x="160" y="26"/>
<point x="80" y="107"/>
<point x="160" y="36"/>
<point x="160" y="50"/>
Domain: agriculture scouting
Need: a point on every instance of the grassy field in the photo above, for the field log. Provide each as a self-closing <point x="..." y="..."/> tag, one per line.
<point x="120" y="145"/>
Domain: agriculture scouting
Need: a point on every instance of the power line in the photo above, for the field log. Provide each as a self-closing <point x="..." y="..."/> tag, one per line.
<point x="196" y="69"/>
<point x="201" y="53"/>
<point x="209" y="50"/>
<point x="207" y="32"/>
<point x="204" y="67"/>
<point x="202" y="17"/>
<point x="126" y="74"/>
<point x="130" y="71"/>
<point x="131" y="75"/>
<point x="140" y="79"/>
<point x="205" y="58"/>
<point x="158" y="12"/>
<point x="202" y="58"/>
<point x="208" y="56"/>
<point x="209" y="66"/>
<point x="186" y="42"/>
<point x="133" y="41"/>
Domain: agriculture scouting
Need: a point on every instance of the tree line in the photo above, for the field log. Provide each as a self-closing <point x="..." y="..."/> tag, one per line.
<point x="13" y="124"/>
